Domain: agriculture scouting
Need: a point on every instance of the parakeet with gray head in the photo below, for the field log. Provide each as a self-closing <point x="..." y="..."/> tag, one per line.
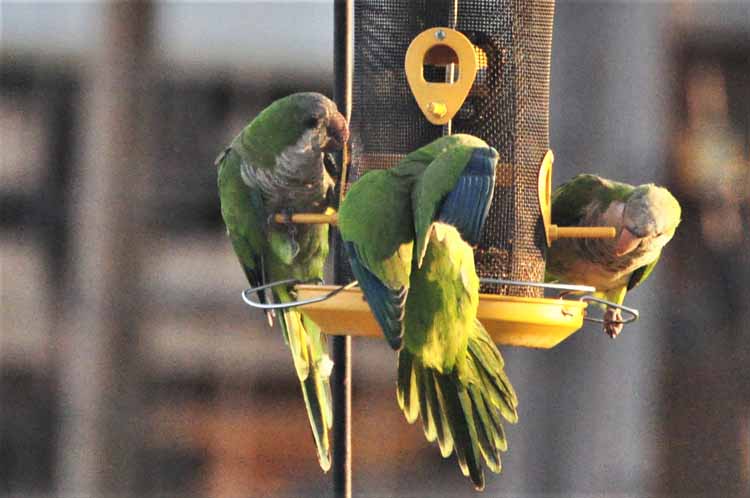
<point x="407" y="232"/>
<point x="645" y="216"/>
<point x="278" y="164"/>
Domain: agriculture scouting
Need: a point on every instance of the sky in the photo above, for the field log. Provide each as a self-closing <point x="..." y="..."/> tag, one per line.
<point x="205" y="34"/>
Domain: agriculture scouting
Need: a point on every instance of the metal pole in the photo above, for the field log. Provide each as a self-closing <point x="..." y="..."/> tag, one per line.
<point x="342" y="417"/>
<point x="342" y="345"/>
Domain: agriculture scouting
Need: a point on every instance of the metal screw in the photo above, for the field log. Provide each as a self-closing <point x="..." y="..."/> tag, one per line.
<point x="438" y="109"/>
<point x="440" y="34"/>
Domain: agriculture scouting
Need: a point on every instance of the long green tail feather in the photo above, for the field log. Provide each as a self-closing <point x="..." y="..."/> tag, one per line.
<point x="313" y="366"/>
<point x="463" y="409"/>
<point x="489" y="439"/>
<point x="463" y="430"/>
<point x="404" y="378"/>
<point x="444" y="437"/>
<point x="428" y="417"/>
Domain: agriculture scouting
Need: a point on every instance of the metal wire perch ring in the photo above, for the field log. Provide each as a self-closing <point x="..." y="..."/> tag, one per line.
<point x="520" y="283"/>
<point x="291" y="281"/>
<point x="634" y="314"/>
<point x="568" y="288"/>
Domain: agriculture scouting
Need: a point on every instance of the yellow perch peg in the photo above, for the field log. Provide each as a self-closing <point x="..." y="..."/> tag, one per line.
<point x="556" y="232"/>
<point x="307" y="218"/>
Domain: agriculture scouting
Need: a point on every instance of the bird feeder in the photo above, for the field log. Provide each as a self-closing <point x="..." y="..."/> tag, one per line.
<point x="424" y="70"/>
<point x="421" y="70"/>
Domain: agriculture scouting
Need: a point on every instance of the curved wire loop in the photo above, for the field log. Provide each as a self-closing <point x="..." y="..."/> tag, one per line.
<point x="634" y="314"/>
<point x="573" y="289"/>
<point x="541" y="285"/>
<point x="566" y="288"/>
<point x="291" y="281"/>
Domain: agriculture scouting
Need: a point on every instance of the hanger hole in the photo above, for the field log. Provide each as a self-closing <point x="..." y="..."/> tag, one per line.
<point x="440" y="65"/>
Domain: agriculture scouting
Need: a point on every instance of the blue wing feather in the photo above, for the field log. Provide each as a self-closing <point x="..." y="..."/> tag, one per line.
<point x="386" y="304"/>
<point x="467" y="205"/>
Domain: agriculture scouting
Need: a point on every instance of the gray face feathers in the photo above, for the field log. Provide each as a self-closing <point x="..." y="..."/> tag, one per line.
<point x="330" y="130"/>
<point x="651" y="215"/>
<point x="651" y="210"/>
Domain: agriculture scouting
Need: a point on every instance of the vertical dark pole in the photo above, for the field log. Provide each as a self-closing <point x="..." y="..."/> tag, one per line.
<point x="342" y="345"/>
<point x="342" y="415"/>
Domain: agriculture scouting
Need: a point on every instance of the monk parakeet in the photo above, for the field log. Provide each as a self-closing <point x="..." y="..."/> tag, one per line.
<point x="406" y="231"/>
<point x="645" y="217"/>
<point x="377" y="226"/>
<point x="277" y="164"/>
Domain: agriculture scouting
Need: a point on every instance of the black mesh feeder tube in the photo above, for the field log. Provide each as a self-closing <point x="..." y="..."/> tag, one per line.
<point x="507" y="106"/>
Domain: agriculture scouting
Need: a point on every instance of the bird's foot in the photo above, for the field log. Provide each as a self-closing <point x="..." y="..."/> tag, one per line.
<point x="270" y="317"/>
<point x="613" y="322"/>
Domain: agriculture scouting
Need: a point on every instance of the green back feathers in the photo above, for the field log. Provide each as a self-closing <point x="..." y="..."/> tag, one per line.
<point x="387" y="195"/>
<point x="569" y="200"/>
<point x="430" y="151"/>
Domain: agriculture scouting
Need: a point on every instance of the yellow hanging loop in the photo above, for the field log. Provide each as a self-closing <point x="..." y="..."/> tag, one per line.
<point x="441" y="47"/>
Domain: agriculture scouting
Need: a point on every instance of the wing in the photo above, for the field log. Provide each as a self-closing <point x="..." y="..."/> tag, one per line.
<point x="378" y="232"/>
<point x="456" y="188"/>
<point x="244" y="216"/>
<point x="467" y="205"/>
<point x="570" y="199"/>
<point x="387" y="304"/>
<point x="641" y="274"/>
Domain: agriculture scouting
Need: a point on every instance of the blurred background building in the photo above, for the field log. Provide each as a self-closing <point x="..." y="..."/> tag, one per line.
<point x="129" y="366"/>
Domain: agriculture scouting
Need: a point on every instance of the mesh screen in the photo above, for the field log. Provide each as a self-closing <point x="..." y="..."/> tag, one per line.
<point x="507" y="107"/>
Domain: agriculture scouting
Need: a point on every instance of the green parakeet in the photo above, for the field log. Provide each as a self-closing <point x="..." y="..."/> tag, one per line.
<point x="406" y="231"/>
<point x="377" y="226"/>
<point x="645" y="217"/>
<point x="277" y="164"/>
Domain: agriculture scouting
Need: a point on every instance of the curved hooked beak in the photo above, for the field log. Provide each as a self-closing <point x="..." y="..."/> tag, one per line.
<point x="338" y="133"/>
<point x="626" y="242"/>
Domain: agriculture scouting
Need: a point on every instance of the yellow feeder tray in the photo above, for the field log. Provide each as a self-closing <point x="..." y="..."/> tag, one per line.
<point x="515" y="321"/>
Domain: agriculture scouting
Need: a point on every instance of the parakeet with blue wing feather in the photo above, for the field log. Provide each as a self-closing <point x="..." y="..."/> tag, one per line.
<point x="406" y="231"/>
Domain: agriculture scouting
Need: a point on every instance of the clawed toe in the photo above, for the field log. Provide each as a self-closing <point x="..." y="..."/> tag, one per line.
<point x="613" y="322"/>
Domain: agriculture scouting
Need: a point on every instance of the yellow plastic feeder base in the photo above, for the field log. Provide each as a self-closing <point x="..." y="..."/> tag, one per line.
<point x="515" y="321"/>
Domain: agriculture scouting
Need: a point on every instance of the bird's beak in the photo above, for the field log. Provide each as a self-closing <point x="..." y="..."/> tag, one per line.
<point x="626" y="242"/>
<point x="338" y="133"/>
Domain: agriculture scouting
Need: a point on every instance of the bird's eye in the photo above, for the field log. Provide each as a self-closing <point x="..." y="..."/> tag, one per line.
<point x="312" y="122"/>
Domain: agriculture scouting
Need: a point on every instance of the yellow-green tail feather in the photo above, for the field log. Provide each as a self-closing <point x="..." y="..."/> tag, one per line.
<point x="313" y="367"/>
<point x="462" y="409"/>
